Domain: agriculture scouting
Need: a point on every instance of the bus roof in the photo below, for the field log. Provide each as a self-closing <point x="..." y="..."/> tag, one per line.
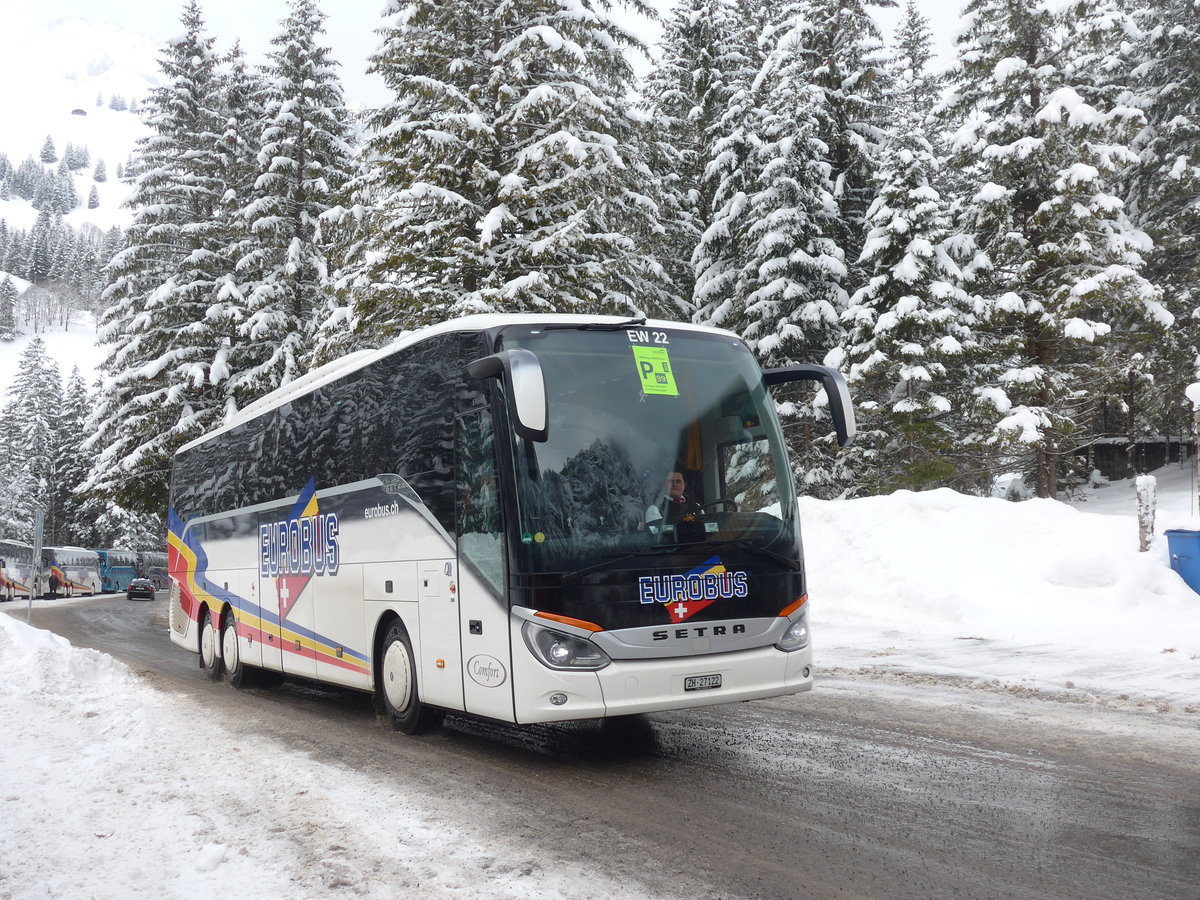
<point x="359" y="359"/>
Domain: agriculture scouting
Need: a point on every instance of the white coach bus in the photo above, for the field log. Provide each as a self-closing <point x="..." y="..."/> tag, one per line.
<point x="472" y="519"/>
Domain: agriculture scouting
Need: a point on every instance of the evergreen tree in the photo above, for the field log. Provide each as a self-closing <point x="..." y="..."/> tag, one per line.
<point x="49" y="154"/>
<point x="28" y="467"/>
<point x="162" y="330"/>
<point x="100" y="174"/>
<point x="27" y="178"/>
<point x="16" y="255"/>
<point x="507" y="174"/>
<point x="40" y="257"/>
<point x="93" y="198"/>
<point x="8" y="303"/>
<point x="71" y="464"/>
<point x="1163" y="76"/>
<point x="913" y="86"/>
<point x="909" y="326"/>
<point x="1062" y="262"/>
<point x="708" y="59"/>
<point x="839" y="55"/>
<point x="305" y="159"/>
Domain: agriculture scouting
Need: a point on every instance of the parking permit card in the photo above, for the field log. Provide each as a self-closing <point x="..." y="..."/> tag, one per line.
<point x="654" y="370"/>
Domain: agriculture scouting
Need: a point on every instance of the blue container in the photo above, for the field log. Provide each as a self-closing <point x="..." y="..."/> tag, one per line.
<point x="1184" y="549"/>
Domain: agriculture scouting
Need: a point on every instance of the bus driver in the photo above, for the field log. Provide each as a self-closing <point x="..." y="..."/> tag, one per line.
<point x="672" y="506"/>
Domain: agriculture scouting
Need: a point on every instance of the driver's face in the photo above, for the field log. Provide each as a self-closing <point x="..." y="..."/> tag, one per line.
<point x="674" y="485"/>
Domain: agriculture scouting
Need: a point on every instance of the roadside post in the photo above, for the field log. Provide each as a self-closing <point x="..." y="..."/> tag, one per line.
<point x="35" y="578"/>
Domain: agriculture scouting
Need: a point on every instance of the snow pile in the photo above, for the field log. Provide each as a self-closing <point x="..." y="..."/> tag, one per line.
<point x="104" y="796"/>
<point x="1038" y="595"/>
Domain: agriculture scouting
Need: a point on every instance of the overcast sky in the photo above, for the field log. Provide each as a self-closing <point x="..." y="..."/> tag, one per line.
<point x="350" y="27"/>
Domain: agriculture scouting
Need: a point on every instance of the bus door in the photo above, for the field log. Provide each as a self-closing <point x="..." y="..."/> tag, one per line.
<point x="440" y="665"/>
<point x="487" y="658"/>
<point x="287" y="596"/>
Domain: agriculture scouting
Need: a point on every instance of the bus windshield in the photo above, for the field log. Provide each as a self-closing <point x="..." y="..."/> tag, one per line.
<point x="663" y="443"/>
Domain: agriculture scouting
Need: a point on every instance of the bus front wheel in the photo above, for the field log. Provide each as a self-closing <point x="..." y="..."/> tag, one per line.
<point x="398" y="684"/>
<point x="209" y="659"/>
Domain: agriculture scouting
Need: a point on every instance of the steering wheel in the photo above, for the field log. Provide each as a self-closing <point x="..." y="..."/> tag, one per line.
<point x="720" y="501"/>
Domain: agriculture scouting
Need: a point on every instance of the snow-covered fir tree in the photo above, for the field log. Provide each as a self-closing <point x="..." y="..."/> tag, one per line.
<point x="708" y="57"/>
<point x="1163" y="187"/>
<point x="72" y="463"/>
<point x="1062" y="262"/>
<point x="909" y="325"/>
<point x="729" y="178"/>
<point x="8" y="306"/>
<point x="304" y="161"/>
<point x="506" y="174"/>
<point x="796" y="222"/>
<point x="839" y="51"/>
<point x="27" y="466"/>
<point x="165" y="329"/>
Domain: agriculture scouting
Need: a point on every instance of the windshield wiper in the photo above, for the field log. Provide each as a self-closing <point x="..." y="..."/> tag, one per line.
<point x="597" y="326"/>
<point x="786" y="561"/>
<point x="616" y="558"/>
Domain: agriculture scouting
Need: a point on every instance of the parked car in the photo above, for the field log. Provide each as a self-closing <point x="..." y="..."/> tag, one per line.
<point x="140" y="587"/>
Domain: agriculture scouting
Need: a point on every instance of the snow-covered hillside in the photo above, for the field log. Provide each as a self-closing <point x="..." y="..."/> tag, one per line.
<point x="73" y="347"/>
<point x="60" y="79"/>
<point x="76" y="63"/>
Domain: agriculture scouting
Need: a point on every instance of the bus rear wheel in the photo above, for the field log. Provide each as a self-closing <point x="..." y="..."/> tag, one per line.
<point x="209" y="659"/>
<point x="398" y="684"/>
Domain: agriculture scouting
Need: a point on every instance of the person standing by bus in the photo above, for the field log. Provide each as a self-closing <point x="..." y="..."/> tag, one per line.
<point x="54" y="583"/>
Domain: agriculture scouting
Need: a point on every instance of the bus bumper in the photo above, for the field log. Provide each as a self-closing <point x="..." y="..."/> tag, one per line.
<point x="628" y="686"/>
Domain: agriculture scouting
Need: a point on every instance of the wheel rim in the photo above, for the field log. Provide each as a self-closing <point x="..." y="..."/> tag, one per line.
<point x="208" y="643"/>
<point x="397" y="676"/>
<point x="229" y="648"/>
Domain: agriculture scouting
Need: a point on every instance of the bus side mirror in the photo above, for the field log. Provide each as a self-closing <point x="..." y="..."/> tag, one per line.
<point x="525" y="386"/>
<point x="834" y="384"/>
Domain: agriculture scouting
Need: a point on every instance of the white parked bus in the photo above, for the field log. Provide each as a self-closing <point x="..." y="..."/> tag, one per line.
<point x="467" y="520"/>
<point x="16" y="570"/>
<point x="77" y="568"/>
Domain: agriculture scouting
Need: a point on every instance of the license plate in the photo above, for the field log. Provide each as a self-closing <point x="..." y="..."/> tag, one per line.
<point x="701" y="682"/>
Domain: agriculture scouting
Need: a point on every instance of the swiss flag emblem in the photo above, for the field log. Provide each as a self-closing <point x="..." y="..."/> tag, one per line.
<point x="684" y="609"/>
<point x="289" y="588"/>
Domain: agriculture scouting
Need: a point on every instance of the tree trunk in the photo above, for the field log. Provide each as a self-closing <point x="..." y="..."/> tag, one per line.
<point x="1147" y="500"/>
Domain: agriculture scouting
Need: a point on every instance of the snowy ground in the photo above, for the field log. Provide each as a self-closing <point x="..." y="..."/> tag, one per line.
<point x="1047" y="601"/>
<point x="1034" y="596"/>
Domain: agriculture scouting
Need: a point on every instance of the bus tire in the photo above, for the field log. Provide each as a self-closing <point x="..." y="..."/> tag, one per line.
<point x="210" y="661"/>
<point x="398" y="684"/>
<point x="239" y="674"/>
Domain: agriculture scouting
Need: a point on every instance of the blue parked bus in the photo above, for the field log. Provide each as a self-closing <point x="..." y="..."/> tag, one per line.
<point x="117" y="569"/>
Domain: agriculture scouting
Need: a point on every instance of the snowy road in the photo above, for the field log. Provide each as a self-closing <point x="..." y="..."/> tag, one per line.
<point x="868" y="787"/>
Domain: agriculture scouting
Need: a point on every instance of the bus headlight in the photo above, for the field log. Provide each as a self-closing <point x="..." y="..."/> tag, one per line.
<point x="562" y="651"/>
<point x="796" y="637"/>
